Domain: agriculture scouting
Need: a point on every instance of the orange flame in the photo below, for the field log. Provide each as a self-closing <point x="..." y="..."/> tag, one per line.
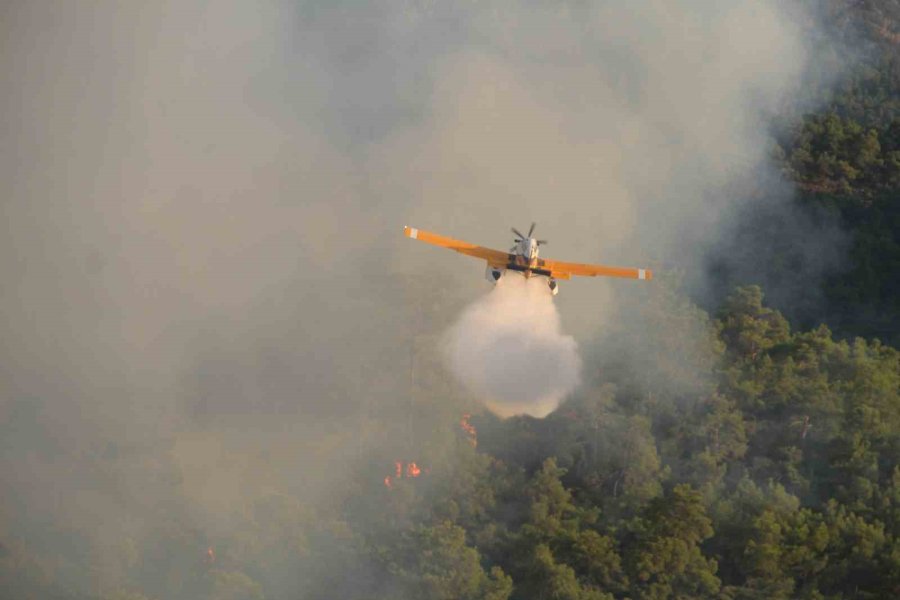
<point x="210" y="555"/>
<point x="472" y="434"/>
<point x="412" y="471"/>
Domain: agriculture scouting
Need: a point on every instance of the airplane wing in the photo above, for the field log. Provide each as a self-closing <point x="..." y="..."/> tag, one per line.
<point x="564" y="270"/>
<point x="493" y="257"/>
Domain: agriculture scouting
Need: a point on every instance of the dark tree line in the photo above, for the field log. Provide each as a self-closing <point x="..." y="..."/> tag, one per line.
<point x="844" y="161"/>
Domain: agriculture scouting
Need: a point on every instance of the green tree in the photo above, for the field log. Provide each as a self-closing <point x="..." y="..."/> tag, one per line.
<point x="435" y="562"/>
<point x="666" y="560"/>
<point x="234" y="585"/>
<point x="554" y="581"/>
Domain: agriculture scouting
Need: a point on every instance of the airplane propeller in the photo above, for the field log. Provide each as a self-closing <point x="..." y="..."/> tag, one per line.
<point x="520" y="236"/>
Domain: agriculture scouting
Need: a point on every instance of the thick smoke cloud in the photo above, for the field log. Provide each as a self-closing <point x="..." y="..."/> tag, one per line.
<point x="508" y="349"/>
<point x="207" y="296"/>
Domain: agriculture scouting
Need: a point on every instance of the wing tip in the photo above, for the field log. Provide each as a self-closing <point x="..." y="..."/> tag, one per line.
<point x="410" y="232"/>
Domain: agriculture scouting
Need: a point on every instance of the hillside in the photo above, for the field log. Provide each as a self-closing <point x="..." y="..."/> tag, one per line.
<point x="223" y="381"/>
<point x="844" y="160"/>
<point x="772" y="473"/>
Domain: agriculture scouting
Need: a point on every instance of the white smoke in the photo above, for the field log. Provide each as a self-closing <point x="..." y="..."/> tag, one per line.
<point x="205" y="281"/>
<point x="508" y="348"/>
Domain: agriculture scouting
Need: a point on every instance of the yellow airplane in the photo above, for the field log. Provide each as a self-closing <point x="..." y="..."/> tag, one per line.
<point x="523" y="257"/>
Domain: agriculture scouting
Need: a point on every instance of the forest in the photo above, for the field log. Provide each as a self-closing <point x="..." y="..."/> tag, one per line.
<point x="757" y="462"/>
<point x="751" y="452"/>
<point x="843" y="159"/>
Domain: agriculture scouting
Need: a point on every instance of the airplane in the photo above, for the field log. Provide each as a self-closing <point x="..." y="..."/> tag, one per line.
<point x="523" y="258"/>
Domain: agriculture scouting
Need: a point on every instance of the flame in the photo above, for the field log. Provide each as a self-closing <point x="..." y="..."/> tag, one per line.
<point x="210" y="555"/>
<point x="411" y="471"/>
<point x="471" y="433"/>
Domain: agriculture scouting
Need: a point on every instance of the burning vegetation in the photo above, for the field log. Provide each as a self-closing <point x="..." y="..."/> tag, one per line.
<point x="409" y="470"/>
<point x="471" y="434"/>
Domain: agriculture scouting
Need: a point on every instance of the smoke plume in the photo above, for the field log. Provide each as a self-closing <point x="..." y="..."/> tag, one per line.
<point x="207" y="297"/>
<point x="508" y="348"/>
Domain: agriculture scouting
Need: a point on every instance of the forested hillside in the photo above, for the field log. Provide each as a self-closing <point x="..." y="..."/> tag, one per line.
<point x="731" y="448"/>
<point x="844" y="158"/>
<point x="769" y="470"/>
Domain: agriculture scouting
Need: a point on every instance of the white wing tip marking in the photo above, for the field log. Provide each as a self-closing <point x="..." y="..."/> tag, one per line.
<point x="413" y="232"/>
<point x="642" y="274"/>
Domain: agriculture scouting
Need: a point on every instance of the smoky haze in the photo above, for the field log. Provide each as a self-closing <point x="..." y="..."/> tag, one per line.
<point x="207" y="292"/>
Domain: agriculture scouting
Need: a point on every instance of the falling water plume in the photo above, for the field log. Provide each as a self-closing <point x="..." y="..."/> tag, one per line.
<point x="508" y="349"/>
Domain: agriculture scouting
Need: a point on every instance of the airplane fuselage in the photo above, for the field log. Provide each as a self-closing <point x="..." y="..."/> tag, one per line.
<point x="525" y="259"/>
<point x="528" y="248"/>
<point x="528" y="267"/>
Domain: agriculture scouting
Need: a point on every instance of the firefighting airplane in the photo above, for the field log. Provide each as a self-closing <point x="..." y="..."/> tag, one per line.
<point x="523" y="257"/>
